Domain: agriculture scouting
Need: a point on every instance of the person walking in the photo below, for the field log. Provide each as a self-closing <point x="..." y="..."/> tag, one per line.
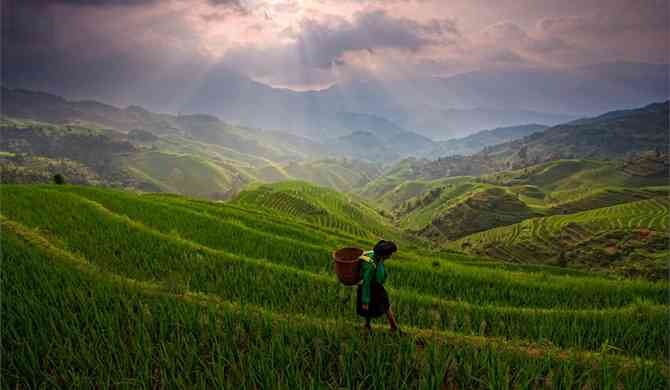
<point x="372" y="301"/>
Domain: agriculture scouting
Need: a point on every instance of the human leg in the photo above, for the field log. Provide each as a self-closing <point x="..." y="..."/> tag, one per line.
<point x="393" y="324"/>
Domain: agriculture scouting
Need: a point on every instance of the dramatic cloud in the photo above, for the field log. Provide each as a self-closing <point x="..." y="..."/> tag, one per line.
<point x="90" y="3"/>
<point x="122" y="49"/>
<point x="318" y="46"/>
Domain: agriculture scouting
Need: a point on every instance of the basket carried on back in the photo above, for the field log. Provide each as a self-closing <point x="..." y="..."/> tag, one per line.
<point x="348" y="265"/>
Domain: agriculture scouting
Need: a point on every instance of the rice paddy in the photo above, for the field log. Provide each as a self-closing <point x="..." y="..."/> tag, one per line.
<point x="114" y="289"/>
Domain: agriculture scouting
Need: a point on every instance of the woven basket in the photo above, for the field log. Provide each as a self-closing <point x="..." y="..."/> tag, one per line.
<point x="347" y="265"/>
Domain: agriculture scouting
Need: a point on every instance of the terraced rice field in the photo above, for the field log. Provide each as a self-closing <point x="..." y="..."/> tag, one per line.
<point x="112" y="289"/>
<point x="549" y="232"/>
<point x="322" y="206"/>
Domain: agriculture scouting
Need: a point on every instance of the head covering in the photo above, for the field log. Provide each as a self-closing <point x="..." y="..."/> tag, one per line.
<point x="385" y="248"/>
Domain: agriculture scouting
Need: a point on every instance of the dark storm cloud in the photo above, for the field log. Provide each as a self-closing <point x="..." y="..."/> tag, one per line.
<point x="224" y="2"/>
<point x="508" y="34"/>
<point x="90" y="52"/>
<point x="152" y="49"/>
<point x="322" y="44"/>
<point x="618" y="17"/>
<point x="89" y="3"/>
<point x="234" y="6"/>
<point x="505" y="56"/>
<point x="224" y="10"/>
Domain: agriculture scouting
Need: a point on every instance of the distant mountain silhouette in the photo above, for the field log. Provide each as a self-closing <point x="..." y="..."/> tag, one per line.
<point x="476" y="142"/>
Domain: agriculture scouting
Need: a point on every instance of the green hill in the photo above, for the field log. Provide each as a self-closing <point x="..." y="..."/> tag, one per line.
<point x="568" y="180"/>
<point x="478" y="210"/>
<point x="183" y="174"/>
<point x="339" y="174"/>
<point x="322" y="206"/>
<point x="615" y="135"/>
<point x="200" y="294"/>
<point x="450" y="208"/>
<point x="476" y="142"/>
<point x="631" y="238"/>
<point x="211" y="160"/>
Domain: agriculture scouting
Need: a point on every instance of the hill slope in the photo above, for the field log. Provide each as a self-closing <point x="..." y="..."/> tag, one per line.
<point x="631" y="237"/>
<point x="174" y="290"/>
<point x="318" y="205"/>
<point x="450" y="208"/>
<point x="476" y="142"/>
<point x="614" y="135"/>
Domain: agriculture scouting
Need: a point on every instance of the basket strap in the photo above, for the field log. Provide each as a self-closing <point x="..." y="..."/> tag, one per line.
<point x="367" y="259"/>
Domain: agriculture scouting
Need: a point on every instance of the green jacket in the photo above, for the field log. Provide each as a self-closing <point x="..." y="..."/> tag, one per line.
<point x="371" y="271"/>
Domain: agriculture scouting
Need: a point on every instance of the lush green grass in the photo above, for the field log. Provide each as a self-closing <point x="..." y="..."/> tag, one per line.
<point x="544" y="186"/>
<point x="451" y="209"/>
<point x="184" y="174"/>
<point x="339" y="174"/>
<point x="467" y="212"/>
<point x="299" y="246"/>
<point x="141" y="279"/>
<point x="571" y="180"/>
<point x="609" y="196"/>
<point x="116" y="332"/>
<point x="322" y="206"/>
<point x="545" y="238"/>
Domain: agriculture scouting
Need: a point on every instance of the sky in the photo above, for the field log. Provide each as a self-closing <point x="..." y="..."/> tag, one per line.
<point x="111" y="49"/>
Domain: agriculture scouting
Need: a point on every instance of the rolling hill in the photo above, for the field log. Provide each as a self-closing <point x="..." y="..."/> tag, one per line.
<point x="450" y="208"/>
<point x="183" y="174"/>
<point x="477" y="210"/>
<point x="279" y="144"/>
<point x="42" y="107"/>
<point x="210" y="165"/>
<point x="201" y="294"/>
<point x="615" y="135"/>
<point x="476" y="142"/>
<point x="321" y="206"/>
<point x="197" y="155"/>
<point x="630" y="237"/>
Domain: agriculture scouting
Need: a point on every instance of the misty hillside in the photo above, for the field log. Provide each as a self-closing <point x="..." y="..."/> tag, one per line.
<point x="391" y="141"/>
<point x="476" y="142"/>
<point x="614" y="135"/>
<point x="440" y="108"/>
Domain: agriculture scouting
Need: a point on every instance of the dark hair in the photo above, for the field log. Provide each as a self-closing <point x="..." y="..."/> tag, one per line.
<point x="385" y="248"/>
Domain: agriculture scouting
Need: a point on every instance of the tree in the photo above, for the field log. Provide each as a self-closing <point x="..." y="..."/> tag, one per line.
<point x="59" y="179"/>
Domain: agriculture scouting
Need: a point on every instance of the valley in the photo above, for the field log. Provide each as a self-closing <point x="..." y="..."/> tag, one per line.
<point x="212" y="281"/>
<point x="192" y="242"/>
<point x="335" y="195"/>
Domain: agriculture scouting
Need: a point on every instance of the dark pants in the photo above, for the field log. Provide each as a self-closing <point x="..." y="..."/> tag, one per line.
<point x="379" y="301"/>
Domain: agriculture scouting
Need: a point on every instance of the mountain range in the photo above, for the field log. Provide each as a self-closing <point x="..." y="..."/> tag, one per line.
<point x="476" y="142"/>
<point x="621" y="134"/>
<point x="436" y="107"/>
<point x="163" y="151"/>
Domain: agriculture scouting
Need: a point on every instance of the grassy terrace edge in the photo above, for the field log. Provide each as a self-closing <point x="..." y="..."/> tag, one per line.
<point x="173" y="330"/>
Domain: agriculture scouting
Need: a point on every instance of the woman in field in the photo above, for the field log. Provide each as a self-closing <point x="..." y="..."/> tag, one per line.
<point x="372" y="301"/>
